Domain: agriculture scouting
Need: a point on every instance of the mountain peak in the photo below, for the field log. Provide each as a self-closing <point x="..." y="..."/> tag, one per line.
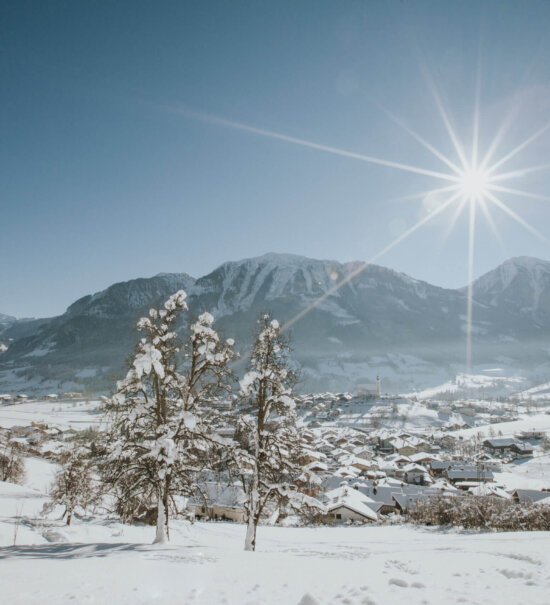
<point x="132" y="294"/>
<point x="280" y="259"/>
<point x="521" y="282"/>
<point x="527" y="262"/>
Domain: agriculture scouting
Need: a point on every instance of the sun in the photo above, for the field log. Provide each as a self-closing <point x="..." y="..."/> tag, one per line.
<point x="474" y="183"/>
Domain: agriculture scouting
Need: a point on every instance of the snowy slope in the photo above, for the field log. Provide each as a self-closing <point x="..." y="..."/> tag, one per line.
<point x="539" y="392"/>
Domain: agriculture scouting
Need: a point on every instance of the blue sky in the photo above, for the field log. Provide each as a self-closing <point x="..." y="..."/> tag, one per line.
<point x="107" y="174"/>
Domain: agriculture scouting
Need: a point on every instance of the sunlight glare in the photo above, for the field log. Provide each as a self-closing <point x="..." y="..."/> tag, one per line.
<point x="474" y="183"/>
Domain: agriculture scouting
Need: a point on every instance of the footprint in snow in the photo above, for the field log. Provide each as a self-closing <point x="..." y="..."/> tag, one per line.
<point x="307" y="599"/>
<point x="398" y="582"/>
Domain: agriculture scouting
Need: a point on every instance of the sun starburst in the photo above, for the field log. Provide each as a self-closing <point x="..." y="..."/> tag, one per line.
<point x="471" y="184"/>
<point x="474" y="183"/>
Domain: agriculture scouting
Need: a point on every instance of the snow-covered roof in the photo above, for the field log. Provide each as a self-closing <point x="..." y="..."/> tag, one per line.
<point x="356" y="461"/>
<point x="414" y="467"/>
<point x="469" y="472"/>
<point x="407" y="500"/>
<point x="490" y="490"/>
<point x="317" y="466"/>
<point x="500" y="442"/>
<point x="347" y="471"/>
<point x="398" y="458"/>
<point x="352" y="499"/>
<point x="212" y="493"/>
<point x="423" y="456"/>
<point x="530" y="495"/>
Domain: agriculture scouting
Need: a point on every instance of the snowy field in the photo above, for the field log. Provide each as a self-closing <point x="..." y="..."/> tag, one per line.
<point x="100" y="560"/>
<point x="205" y="563"/>
<point x="527" y="422"/>
<point x="77" y="415"/>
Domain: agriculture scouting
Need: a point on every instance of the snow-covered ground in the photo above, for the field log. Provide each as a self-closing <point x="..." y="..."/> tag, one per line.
<point x="529" y="473"/>
<point x="540" y="392"/>
<point x="528" y="422"/>
<point x="99" y="562"/>
<point x="77" y="415"/>
<point x="492" y="381"/>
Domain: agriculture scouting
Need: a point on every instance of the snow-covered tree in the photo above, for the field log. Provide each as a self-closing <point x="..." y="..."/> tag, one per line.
<point x="12" y="464"/>
<point x="270" y="443"/>
<point x="161" y="434"/>
<point x="73" y="485"/>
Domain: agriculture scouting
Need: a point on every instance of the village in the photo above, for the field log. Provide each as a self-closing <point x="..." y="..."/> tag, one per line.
<point x="368" y="457"/>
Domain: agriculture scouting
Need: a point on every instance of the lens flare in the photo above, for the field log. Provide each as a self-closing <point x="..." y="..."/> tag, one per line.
<point x="474" y="183"/>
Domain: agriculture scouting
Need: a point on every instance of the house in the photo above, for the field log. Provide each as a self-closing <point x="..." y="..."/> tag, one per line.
<point x="349" y="472"/>
<point x="490" y="490"/>
<point x="383" y="495"/>
<point x="359" y="463"/>
<point x="309" y="483"/>
<point x="423" y="457"/>
<point x="218" y="501"/>
<point x="399" y="460"/>
<point x="528" y="496"/>
<point x="72" y="395"/>
<point x="308" y="436"/>
<point x="402" y="446"/>
<point x="502" y="445"/>
<point x="404" y="502"/>
<point x="493" y="464"/>
<point x="416" y="474"/>
<point x="531" y="435"/>
<point x="522" y="449"/>
<point x="391" y="469"/>
<point x="309" y="456"/>
<point x="348" y="504"/>
<point x="317" y="466"/>
<point x="469" y="474"/>
<point x="466" y="411"/>
<point x="447" y="441"/>
<point x="438" y="468"/>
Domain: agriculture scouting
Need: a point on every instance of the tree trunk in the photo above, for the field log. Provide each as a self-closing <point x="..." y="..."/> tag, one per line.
<point x="253" y="517"/>
<point x="250" y="541"/>
<point x="160" y="538"/>
<point x="254" y="496"/>
<point x="69" y="517"/>
<point x="166" y="508"/>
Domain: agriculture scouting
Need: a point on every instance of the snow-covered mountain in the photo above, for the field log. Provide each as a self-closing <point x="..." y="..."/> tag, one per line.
<point x="520" y="286"/>
<point x="6" y="321"/>
<point x="380" y="322"/>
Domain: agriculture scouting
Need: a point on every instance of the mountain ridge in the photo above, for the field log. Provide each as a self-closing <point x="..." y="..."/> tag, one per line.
<point x="380" y="322"/>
